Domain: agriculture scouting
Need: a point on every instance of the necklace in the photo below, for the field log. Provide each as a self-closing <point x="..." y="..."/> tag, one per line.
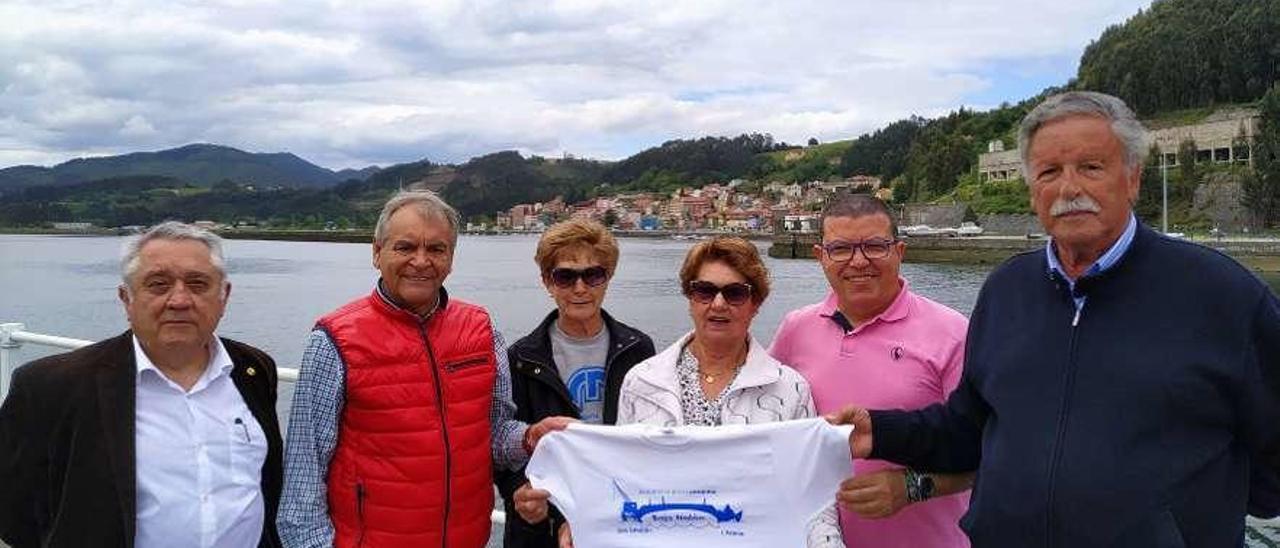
<point x="711" y="377"/>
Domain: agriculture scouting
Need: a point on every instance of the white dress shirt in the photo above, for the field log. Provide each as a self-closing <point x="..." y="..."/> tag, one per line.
<point x="199" y="459"/>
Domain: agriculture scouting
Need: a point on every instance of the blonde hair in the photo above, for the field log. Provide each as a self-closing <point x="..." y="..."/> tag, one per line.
<point x="737" y="253"/>
<point x="566" y="238"/>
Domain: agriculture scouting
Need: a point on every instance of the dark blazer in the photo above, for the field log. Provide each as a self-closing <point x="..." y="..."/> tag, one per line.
<point x="67" y="455"/>
<point x="539" y="393"/>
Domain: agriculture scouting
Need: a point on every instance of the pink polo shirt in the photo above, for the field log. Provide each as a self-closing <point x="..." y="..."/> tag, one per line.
<point x="908" y="357"/>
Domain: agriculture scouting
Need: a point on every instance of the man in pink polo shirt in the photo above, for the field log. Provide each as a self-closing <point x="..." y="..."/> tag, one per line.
<point x="874" y="343"/>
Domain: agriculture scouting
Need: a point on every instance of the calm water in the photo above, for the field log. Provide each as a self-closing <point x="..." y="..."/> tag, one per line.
<point x="66" y="286"/>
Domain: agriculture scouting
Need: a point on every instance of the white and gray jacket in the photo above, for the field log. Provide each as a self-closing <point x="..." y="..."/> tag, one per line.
<point x="765" y="390"/>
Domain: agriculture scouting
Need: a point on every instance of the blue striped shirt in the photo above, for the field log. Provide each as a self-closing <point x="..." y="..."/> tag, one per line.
<point x="303" y="518"/>
<point x="1106" y="261"/>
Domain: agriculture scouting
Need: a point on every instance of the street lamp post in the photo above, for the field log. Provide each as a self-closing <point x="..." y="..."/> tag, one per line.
<point x="1164" y="183"/>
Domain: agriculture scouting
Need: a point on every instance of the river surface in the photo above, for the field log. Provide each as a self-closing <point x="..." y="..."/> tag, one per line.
<point x="66" y="285"/>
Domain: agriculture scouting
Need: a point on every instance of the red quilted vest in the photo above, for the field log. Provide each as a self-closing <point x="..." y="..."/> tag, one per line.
<point x="412" y="465"/>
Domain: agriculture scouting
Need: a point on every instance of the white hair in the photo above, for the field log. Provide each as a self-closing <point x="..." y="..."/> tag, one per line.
<point x="170" y="230"/>
<point x="427" y="202"/>
<point x="1124" y="124"/>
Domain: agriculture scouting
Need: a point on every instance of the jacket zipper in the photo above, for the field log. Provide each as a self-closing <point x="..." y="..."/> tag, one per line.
<point x="1058" y="442"/>
<point x="360" y="512"/>
<point x="444" y="431"/>
<point x="608" y="366"/>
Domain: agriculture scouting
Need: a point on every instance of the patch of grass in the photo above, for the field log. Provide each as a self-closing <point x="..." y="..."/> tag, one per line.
<point x="991" y="197"/>
<point x="1190" y="116"/>
<point x="824" y="151"/>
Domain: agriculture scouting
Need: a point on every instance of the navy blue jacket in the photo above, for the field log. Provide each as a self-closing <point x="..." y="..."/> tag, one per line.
<point x="1135" y="425"/>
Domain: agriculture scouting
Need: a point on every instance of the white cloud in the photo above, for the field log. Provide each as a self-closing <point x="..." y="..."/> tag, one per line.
<point x="346" y="83"/>
<point x="137" y="127"/>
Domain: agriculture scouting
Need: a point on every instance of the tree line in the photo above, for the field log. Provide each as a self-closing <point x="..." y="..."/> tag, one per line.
<point x="1181" y="54"/>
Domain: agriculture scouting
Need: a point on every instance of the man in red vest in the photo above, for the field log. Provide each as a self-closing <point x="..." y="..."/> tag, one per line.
<point x="403" y="403"/>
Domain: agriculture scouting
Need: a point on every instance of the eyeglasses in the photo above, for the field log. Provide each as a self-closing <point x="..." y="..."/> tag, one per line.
<point x="736" y="293"/>
<point x="841" y="251"/>
<point x="593" y="276"/>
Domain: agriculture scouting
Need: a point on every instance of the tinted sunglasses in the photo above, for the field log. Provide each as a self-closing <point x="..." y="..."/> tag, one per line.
<point x="593" y="276"/>
<point x="736" y="293"/>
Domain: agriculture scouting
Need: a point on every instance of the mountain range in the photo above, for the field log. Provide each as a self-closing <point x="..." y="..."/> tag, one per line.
<point x="201" y="164"/>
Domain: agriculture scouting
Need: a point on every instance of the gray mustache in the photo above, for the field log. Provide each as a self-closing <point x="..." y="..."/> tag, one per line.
<point x="1079" y="203"/>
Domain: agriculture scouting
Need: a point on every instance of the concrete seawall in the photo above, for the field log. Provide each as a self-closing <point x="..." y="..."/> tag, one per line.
<point x="1257" y="254"/>
<point x="365" y="236"/>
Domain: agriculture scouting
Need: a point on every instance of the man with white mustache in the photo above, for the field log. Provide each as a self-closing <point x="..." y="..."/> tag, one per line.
<point x="1079" y="204"/>
<point x="1121" y="388"/>
<point x="873" y="341"/>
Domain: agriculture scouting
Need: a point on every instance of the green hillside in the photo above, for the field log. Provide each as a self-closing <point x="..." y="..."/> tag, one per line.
<point x="1182" y="54"/>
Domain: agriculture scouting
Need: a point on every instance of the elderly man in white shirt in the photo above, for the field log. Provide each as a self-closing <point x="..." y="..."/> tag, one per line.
<point x="165" y="435"/>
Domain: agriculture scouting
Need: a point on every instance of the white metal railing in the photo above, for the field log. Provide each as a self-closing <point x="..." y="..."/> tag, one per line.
<point x="13" y="335"/>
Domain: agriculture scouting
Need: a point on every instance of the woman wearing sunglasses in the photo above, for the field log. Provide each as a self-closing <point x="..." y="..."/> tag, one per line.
<point x="718" y="373"/>
<point x="571" y="365"/>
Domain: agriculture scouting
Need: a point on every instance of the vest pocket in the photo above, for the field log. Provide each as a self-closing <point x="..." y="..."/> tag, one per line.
<point x="464" y="363"/>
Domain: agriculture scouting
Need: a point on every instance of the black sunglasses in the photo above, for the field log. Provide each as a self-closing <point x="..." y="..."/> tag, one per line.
<point x="736" y="293"/>
<point x="593" y="276"/>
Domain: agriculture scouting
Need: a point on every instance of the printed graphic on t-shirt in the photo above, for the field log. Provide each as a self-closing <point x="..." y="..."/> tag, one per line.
<point x="732" y="486"/>
<point x="586" y="388"/>
<point x="675" y="508"/>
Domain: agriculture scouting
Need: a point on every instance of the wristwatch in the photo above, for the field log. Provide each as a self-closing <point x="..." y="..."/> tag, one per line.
<point x="919" y="486"/>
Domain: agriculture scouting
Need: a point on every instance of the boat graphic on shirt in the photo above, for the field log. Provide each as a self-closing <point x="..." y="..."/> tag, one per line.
<point x="675" y="514"/>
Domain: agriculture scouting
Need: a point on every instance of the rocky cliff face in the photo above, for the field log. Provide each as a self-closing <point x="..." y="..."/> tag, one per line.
<point x="1219" y="200"/>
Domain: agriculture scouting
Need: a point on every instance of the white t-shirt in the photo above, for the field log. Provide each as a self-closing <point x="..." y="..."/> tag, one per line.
<point x="697" y="486"/>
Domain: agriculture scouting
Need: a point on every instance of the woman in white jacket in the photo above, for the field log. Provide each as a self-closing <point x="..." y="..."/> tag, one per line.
<point x="717" y="373"/>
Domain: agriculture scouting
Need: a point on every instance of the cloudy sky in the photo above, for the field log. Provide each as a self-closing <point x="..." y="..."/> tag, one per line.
<point x="353" y="83"/>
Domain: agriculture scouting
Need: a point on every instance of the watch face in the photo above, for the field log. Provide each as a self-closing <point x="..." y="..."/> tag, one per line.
<point x="926" y="485"/>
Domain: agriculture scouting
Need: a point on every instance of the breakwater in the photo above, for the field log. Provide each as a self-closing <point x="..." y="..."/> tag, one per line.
<point x="362" y="236"/>
<point x="1262" y="255"/>
<point x="366" y="235"/>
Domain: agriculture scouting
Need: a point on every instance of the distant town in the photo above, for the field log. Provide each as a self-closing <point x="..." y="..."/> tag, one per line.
<point x="713" y="207"/>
